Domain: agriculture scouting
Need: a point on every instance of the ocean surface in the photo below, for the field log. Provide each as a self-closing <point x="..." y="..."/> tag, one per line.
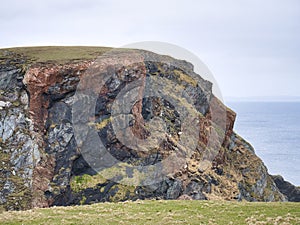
<point x="273" y="129"/>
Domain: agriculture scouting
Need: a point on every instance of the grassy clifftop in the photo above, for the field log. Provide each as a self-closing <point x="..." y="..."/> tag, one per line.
<point x="57" y="54"/>
<point x="161" y="212"/>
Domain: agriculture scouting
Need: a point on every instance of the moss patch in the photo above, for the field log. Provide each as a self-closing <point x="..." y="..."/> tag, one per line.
<point x="79" y="183"/>
<point x="184" y="77"/>
<point x="123" y="192"/>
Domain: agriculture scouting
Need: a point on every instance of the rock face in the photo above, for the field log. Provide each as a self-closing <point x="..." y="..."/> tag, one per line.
<point x="43" y="163"/>
<point x="290" y="191"/>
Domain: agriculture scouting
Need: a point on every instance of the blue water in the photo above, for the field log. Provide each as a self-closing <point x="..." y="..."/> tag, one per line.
<point x="273" y="129"/>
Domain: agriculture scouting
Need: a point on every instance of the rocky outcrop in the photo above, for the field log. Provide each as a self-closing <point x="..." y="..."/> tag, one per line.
<point x="20" y="145"/>
<point x="289" y="190"/>
<point x="45" y="164"/>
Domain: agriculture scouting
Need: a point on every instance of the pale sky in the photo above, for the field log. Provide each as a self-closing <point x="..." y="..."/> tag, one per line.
<point x="252" y="46"/>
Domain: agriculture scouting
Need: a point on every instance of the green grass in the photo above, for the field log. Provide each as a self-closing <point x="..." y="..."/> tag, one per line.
<point x="161" y="212"/>
<point x="58" y="54"/>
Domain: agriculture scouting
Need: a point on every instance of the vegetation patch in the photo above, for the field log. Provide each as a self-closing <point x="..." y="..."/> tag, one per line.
<point x="123" y="192"/>
<point x="186" y="78"/>
<point x="79" y="183"/>
<point x="58" y="54"/>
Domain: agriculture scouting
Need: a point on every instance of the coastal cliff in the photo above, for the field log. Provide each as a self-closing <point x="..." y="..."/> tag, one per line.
<point x="43" y="164"/>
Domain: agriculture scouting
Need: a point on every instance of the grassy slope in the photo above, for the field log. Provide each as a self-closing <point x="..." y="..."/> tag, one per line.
<point x="161" y="212"/>
<point x="59" y="54"/>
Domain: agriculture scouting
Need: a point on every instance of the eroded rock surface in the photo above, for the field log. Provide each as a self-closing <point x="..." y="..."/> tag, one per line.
<point x="42" y="163"/>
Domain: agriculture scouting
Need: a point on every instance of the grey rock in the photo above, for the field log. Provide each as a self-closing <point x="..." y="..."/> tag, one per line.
<point x="195" y="189"/>
<point x="7" y="127"/>
<point x="289" y="190"/>
<point x="175" y="190"/>
<point x="24" y="98"/>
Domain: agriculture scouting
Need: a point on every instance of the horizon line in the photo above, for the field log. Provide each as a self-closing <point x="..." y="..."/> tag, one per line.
<point x="263" y="99"/>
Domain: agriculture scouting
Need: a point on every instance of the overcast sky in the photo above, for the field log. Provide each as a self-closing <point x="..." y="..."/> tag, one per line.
<point x="252" y="46"/>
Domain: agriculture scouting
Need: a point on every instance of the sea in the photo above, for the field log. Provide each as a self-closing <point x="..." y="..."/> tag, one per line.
<point x="273" y="129"/>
